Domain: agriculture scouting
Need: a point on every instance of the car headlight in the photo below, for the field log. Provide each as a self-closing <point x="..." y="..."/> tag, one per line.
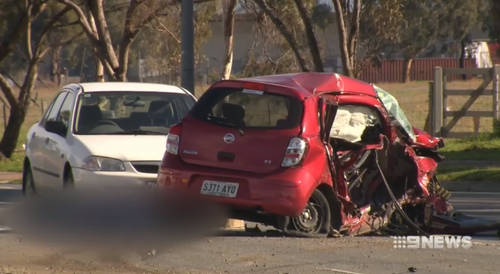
<point x="96" y="163"/>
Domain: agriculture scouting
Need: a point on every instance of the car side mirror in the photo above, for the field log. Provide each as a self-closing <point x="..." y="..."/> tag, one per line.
<point x="56" y="127"/>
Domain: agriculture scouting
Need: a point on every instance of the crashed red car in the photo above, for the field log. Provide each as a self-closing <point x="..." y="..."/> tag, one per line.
<point x="312" y="154"/>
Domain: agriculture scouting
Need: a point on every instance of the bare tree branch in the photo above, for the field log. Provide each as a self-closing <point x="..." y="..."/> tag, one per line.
<point x="7" y="91"/>
<point x="97" y="11"/>
<point x="82" y="18"/>
<point x="3" y="72"/>
<point x="15" y="35"/>
<point x="74" y="23"/>
<point x="165" y="29"/>
<point x="311" y="37"/>
<point x="46" y="30"/>
<point x="285" y="32"/>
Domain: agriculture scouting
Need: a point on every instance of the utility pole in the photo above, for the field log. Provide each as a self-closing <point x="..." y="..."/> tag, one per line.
<point x="187" y="45"/>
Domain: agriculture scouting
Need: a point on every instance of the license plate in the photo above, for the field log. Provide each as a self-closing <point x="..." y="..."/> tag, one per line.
<point x="222" y="189"/>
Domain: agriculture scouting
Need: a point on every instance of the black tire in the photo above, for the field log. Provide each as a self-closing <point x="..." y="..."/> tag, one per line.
<point x="29" y="188"/>
<point x="68" y="181"/>
<point x="314" y="222"/>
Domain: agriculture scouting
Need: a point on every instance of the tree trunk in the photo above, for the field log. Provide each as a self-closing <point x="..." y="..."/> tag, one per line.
<point x="286" y="34"/>
<point x="18" y="112"/>
<point x="311" y="36"/>
<point x="348" y="34"/>
<point x="407" y="63"/>
<point x="347" y="67"/>
<point x="462" y="57"/>
<point x="121" y="72"/>
<point x="55" y="60"/>
<point x="228" y="37"/>
<point x="99" y="71"/>
<point x="106" y="43"/>
<point x="10" y="137"/>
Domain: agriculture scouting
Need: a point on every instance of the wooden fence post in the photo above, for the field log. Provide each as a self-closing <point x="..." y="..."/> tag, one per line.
<point x="496" y="91"/>
<point x="428" y="122"/>
<point x="437" y="103"/>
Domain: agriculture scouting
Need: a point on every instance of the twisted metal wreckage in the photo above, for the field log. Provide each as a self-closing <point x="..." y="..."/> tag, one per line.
<point x="379" y="176"/>
<point x="389" y="185"/>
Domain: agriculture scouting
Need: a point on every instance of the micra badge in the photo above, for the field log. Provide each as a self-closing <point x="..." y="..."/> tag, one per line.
<point x="192" y="152"/>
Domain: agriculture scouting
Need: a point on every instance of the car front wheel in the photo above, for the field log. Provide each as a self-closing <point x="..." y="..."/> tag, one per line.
<point x="29" y="188"/>
<point x="68" y="183"/>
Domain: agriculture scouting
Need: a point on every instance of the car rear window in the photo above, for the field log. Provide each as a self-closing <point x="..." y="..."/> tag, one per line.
<point x="245" y="108"/>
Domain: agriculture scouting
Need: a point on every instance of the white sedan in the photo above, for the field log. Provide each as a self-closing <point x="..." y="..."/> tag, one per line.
<point x="102" y="134"/>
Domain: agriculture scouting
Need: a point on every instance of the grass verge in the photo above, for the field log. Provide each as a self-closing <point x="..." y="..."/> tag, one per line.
<point x="483" y="148"/>
<point x="14" y="164"/>
<point x="469" y="174"/>
<point x="413" y="98"/>
<point x="17" y="182"/>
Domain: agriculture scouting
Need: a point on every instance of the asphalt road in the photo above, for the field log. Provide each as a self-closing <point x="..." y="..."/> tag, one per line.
<point x="269" y="253"/>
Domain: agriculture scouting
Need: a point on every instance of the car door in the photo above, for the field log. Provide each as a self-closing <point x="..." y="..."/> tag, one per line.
<point x="327" y="107"/>
<point x="43" y="139"/>
<point x="36" y="147"/>
<point x="58" y="149"/>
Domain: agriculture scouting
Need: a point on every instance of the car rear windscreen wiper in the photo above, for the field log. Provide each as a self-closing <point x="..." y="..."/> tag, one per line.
<point x="221" y="121"/>
<point x="224" y="122"/>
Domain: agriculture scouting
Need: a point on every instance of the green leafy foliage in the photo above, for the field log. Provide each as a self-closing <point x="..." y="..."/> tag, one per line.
<point x="426" y="21"/>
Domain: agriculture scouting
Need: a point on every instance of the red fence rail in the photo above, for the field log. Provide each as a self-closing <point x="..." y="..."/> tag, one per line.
<point x="391" y="71"/>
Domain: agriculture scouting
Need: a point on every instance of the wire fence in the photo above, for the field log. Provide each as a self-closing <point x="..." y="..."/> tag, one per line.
<point x="413" y="98"/>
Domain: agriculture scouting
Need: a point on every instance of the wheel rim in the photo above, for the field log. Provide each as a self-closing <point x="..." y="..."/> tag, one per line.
<point x="311" y="218"/>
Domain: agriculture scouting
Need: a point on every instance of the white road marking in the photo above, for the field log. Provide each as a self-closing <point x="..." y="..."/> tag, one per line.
<point x="8" y="187"/>
<point x="5" y="228"/>
<point x="338" y="271"/>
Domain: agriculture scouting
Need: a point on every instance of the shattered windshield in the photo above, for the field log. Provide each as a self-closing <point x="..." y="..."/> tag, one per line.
<point x="392" y="106"/>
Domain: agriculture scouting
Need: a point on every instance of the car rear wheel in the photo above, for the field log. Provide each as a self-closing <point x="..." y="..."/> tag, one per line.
<point x="314" y="220"/>
<point x="29" y="188"/>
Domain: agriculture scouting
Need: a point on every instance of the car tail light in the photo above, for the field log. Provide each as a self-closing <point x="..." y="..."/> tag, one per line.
<point x="294" y="152"/>
<point x="254" y="86"/>
<point x="173" y="139"/>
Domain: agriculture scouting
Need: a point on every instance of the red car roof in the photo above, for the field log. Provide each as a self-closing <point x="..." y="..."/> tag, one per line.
<point x="307" y="83"/>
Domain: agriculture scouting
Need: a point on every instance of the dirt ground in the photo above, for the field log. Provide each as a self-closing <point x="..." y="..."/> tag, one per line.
<point x="257" y="255"/>
<point x="21" y="257"/>
<point x="265" y="253"/>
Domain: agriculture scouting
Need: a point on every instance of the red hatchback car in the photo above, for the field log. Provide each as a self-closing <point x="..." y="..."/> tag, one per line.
<point x="310" y="154"/>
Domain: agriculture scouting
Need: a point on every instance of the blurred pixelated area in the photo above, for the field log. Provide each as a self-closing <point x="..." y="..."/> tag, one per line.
<point x="114" y="221"/>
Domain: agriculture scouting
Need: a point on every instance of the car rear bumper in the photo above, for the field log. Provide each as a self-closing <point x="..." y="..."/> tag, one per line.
<point x="283" y="193"/>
